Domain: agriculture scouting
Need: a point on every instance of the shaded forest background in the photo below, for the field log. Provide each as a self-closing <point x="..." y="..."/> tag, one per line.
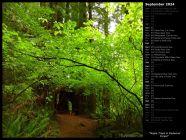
<point x="91" y="49"/>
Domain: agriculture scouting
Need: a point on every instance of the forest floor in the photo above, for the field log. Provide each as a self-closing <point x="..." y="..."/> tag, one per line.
<point x="76" y="126"/>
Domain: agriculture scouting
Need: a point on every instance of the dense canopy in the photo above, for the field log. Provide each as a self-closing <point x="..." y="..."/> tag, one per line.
<point x="95" y="48"/>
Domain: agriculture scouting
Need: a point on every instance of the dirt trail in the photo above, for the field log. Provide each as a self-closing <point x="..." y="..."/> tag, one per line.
<point x="76" y="126"/>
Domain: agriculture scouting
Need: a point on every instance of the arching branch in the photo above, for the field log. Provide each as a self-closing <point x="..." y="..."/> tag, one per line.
<point x="17" y="95"/>
<point x="91" y="67"/>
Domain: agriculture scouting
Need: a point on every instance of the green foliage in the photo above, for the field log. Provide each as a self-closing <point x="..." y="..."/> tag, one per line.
<point x="40" y="41"/>
<point x="27" y="124"/>
<point x="49" y="99"/>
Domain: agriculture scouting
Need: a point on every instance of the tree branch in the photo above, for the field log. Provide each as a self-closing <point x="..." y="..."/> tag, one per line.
<point x="135" y="80"/>
<point x="17" y="95"/>
<point x="101" y="70"/>
<point x="129" y="100"/>
<point x="130" y="40"/>
<point x="125" y="88"/>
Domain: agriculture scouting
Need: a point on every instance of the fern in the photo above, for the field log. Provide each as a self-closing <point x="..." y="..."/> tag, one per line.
<point x="42" y="125"/>
<point x="13" y="128"/>
<point x="18" y="126"/>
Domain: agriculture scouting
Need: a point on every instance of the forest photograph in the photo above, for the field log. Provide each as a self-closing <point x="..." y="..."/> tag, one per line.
<point x="72" y="69"/>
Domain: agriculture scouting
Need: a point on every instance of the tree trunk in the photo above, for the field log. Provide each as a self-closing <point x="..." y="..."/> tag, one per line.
<point x="90" y="10"/>
<point x="67" y="11"/>
<point x="57" y="16"/>
<point x="92" y="103"/>
<point x="106" y="22"/>
<point x="106" y="103"/>
<point x="43" y="4"/>
<point x="82" y="14"/>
